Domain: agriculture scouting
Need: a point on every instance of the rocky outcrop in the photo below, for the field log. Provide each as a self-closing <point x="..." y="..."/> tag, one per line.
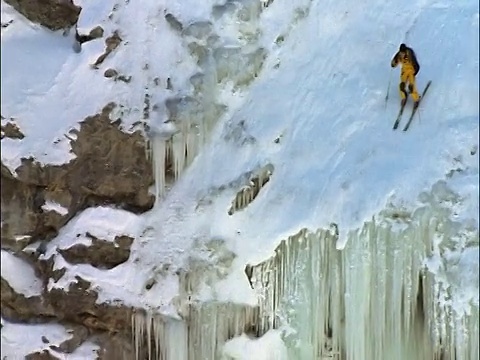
<point x="20" y="308"/>
<point x="101" y="254"/>
<point x="11" y="130"/>
<point x="78" y="304"/>
<point x="111" y="43"/>
<point x="53" y="14"/>
<point x="110" y="168"/>
<point x="76" y="307"/>
<point x="41" y="355"/>
<point x="115" y="347"/>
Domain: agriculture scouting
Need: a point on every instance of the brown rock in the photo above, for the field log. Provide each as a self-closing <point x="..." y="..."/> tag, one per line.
<point x="11" y="130"/>
<point x="96" y="32"/>
<point x="115" y="347"/>
<point x="53" y="14"/>
<point x="110" y="168"/>
<point x="101" y="254"/>
<point x="79" y="305"/>
<point x="111" y="43"/>
<point x="111" y="164"/>
<point x="19" y="308"/>
<point x="41" y="355"/>
<point x="109" y="73"/>
<point x="79" y="334"/>
<point x="21" y="212"/>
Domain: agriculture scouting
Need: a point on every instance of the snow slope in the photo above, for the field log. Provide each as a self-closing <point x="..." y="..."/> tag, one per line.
<point x="19" y="340"/>
<point x="338" y="159"/>
<point x="20" y="275"/>
<point x="321" y="94"/>
<point x="48" y="87"/>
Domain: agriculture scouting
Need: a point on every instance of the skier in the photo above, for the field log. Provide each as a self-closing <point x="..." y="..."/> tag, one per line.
<point x="410" y="68"/>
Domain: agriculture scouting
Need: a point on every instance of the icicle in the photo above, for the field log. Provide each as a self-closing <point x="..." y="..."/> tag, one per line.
<point x="148" y="325"/>
<point x="157" y="329"/>
<point x="373" y="300"/>
<point x="159" y="155"/>
<point x="138" y="325"/>
<point x="175" y="341"/>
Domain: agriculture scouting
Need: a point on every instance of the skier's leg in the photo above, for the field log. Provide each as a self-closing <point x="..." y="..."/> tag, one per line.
<point x="403" y="91"/>
<point x="412" y="88"/>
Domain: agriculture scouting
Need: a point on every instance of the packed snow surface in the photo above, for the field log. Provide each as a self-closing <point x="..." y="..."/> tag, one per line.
<point x="316" y="114"/>
<point x="20" y="275"/>
<point x="20" y="340"/>
<point x="269" y="347"/>
<point x="337" y="158"/>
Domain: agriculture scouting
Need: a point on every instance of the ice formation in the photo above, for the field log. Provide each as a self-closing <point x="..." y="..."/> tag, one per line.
<point x="380" y="297"/>
<point x="375" y="299"/>
<point x="220" y="61"/>
<point x="200" y="335"/>
<point x="248" y="193"/>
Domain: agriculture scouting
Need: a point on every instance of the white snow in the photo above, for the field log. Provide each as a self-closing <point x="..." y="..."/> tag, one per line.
<point x="19" y="340"/>
<point x="56" y="207"/>
<point x="269" y="347"/>
<point x="22" y="237"/>
<point x="458" y="271"/>
<point x="20" y="275"/>
<point x="337" y="159"/>
<point x="102" y="222"/>
<point x="48" y="97"/>
<point x="321" y="93"/>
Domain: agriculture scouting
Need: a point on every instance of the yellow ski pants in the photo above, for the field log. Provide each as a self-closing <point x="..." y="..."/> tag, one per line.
<point x="407" y="77"/>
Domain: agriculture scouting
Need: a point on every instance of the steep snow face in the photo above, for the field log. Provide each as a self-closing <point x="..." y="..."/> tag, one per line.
<point x="49" y="86"/>
<point x="319" y="120"/>
<point x="314" y="115"/>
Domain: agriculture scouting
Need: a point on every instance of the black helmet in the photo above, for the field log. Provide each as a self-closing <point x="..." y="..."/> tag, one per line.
<point x="403" y="47"/>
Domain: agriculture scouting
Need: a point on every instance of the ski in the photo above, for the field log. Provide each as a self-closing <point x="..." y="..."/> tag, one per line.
<point x="399" y="116"/>
<point x="416" y="107"/>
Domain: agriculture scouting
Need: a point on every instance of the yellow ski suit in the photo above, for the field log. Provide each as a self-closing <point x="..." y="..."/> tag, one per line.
<point x="410" y="67"/>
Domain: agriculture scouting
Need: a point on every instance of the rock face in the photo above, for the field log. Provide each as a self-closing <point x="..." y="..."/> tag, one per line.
<point x="17" y="306"/>
<point x="101" y="254"/>
<point x="111" y="43"/>
<point x="10" y="130"/>
<point x="110" y="168"/>
<point x="53" y="14"/>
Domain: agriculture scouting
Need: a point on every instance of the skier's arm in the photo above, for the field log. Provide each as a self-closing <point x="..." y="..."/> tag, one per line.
<point x="394" y="61"/>
<point x="415" y="63"/>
